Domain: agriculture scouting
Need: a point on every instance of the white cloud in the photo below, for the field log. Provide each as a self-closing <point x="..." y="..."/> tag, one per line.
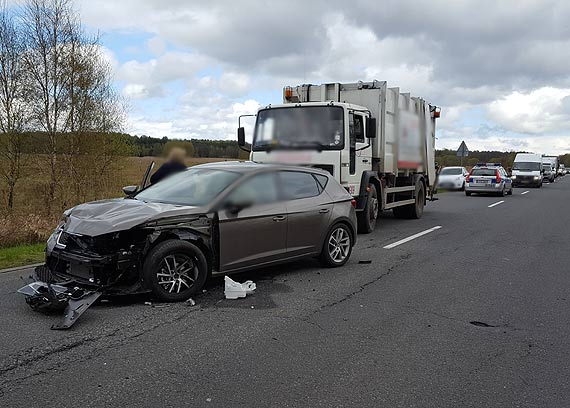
<point x="507" y="60"/>
<point x="544" y="110"/>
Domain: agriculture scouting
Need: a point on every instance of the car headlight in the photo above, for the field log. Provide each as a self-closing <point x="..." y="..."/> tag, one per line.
<point x="513" y="177"/>
<point x="536" y="177"/>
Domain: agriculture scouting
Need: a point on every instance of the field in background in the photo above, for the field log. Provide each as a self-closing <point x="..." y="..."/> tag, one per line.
<point x="27" y="223"/>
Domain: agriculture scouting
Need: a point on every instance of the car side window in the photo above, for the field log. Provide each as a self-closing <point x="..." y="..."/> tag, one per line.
<point x="296" y="184"/>
<point x="260" y="189"/>
<point x="321" y="180"/>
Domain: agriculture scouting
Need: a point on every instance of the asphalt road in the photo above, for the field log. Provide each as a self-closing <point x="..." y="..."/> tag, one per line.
<point x="473" y="314"/>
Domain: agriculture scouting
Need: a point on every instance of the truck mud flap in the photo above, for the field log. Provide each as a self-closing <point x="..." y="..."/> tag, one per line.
<point x="75" y="308"/>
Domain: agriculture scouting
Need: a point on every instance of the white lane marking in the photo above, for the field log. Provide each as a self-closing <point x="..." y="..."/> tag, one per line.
<point x="525" y="192"/>
<point x="403" y="241"/>
<point x="497" y="203"/>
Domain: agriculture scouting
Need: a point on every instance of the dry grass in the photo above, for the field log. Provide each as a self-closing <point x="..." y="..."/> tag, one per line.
<point x="27" y="222"/>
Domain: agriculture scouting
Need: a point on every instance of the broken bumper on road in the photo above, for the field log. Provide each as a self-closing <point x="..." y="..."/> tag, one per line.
<point x="52" y="298"/>
<point x="71" y="282"/>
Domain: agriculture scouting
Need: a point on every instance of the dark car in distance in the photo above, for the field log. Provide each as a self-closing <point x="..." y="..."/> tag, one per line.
<point x="211" y="219"/>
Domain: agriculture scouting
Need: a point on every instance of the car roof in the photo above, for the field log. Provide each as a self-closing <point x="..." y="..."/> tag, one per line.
<point x="250" y="166"/>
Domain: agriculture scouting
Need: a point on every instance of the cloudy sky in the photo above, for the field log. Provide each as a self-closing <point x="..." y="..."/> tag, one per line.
<point x="499" y="69"/>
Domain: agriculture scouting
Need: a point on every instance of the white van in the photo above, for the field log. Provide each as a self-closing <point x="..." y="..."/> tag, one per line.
<point x="527" y="170"/>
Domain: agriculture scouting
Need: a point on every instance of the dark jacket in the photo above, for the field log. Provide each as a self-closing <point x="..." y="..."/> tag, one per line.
<point x="167" y="169"/>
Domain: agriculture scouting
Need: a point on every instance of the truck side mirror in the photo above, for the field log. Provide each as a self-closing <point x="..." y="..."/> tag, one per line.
<point x="371" y="128"/>
<point x="241" y="136"/>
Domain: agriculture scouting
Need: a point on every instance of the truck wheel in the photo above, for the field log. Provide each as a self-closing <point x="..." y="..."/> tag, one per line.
<point x="367" y="218"/>
<point x="174" y="270"/>
<point x="417" y="209"/>
<point x="413" y="211"/>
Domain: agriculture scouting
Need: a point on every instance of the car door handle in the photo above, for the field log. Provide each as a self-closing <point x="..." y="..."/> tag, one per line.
<point x="278" y="218"/>
<point x="323" y="210"/>
<point x="364" y="160"/>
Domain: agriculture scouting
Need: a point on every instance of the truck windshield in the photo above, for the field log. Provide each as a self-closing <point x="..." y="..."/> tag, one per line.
<point x="300" y="127"/>
<point x="526" y="166"/>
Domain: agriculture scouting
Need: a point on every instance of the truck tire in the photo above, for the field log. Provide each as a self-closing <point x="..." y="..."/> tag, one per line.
<point x="174" y="270"/>
<point x="413" y="211"/>
<point x="368" y="217"/>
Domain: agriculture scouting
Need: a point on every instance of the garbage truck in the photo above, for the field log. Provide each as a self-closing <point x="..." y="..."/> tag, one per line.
<point x="378" y="142"/>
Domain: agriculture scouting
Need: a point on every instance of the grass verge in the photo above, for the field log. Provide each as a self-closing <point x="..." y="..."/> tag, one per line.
<point x="21" y="255"/>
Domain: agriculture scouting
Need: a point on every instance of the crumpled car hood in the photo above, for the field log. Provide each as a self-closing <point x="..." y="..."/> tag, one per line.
<point x="105" y="216"/>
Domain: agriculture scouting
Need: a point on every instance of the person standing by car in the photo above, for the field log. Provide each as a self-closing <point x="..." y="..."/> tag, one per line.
<point x="174" y="164"/>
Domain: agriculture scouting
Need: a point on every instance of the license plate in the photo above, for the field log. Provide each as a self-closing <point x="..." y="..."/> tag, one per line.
<point x="483" y="181"/>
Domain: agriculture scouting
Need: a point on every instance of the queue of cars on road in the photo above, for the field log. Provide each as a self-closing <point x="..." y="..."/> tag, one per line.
<point x="529" y="170"/>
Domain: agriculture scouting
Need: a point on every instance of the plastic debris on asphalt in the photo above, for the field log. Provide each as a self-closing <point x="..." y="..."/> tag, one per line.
<point x="235" y="290"/>
<point x="190" y="302"/>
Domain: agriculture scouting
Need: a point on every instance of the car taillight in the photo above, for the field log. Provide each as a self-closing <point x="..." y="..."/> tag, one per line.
<point x="498" y="176"/>
<point x="468" y="177"/>
<point x="353" y="202"/>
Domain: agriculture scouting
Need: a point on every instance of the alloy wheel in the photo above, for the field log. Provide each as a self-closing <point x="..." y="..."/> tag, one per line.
<point x="339" y="244"/>
<point x="177" y="273"/>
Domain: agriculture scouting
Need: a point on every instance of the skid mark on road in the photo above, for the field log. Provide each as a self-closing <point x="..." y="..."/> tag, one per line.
<point x="495" y="204"/>
<point x="525" y="192"/>
<point x="410" y="238"/>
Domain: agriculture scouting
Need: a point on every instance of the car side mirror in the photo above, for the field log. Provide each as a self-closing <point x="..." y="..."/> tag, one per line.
<point x="371" y="128"/>
<point x="241" y="136"/>
<point x="234" y="208"/>
<point x="130" y="190"/>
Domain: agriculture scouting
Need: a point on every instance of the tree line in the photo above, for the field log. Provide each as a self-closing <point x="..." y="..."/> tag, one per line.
<point x="55" y="82"/>
<point x="447" y="157"/>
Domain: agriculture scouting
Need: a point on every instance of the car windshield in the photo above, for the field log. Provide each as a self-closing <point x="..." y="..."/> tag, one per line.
<point x="526" y="166"/>
<point x="195" y="187"/>
<point x="451" y="171"/>
<point x="547" y="167"/>
<point x="301" y="127"/>
<point x="484" y="172"/>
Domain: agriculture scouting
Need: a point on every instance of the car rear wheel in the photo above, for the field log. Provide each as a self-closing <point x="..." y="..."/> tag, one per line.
<point x="367" y="218"/>
<point x="337" y="246"/>
<point x="174" y="270"/>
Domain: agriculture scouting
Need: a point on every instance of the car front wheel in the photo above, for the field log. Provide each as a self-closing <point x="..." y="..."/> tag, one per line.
<point x="174" y="270"/>
<point x="337" y="246"/>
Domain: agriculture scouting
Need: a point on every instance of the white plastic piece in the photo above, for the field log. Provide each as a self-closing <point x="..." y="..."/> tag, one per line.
<point x="235" y="290"/>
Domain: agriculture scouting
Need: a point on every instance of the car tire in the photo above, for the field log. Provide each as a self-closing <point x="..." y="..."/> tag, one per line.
<point x="369" y="216"/>
<point x="468" y="193"/>
<point x="164" y="272"/>
<point x="502" y="193"/>
<point x="462" y="187"/>
<point x="510" y="192"/>
<point x="330" y="255"/>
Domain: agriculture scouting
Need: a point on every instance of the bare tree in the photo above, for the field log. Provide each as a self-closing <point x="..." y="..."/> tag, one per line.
<point x="69" y="94"/>
<point x="49" y="27"/>
<point x="11" y="101"/>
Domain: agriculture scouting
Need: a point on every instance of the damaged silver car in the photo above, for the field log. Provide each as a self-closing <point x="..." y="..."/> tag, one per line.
<point x="209" y="220"/>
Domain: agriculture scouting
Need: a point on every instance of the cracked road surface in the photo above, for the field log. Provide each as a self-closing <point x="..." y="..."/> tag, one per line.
<point x="474" y="314"/>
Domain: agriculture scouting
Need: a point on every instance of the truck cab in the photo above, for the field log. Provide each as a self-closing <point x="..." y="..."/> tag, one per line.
<point x="333" y="137"/>
<point x="377" y="142"/>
